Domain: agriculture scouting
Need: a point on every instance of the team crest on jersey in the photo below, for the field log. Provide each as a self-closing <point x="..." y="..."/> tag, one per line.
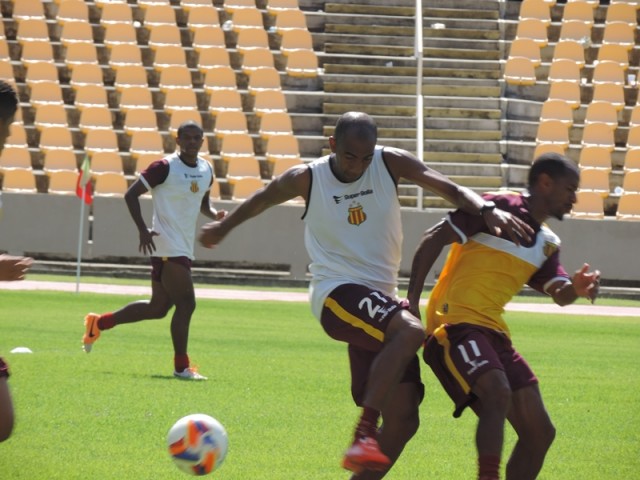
<point x="356" y="214"/>
<point x="549" y="249"/>
<point x="194" y="186"/>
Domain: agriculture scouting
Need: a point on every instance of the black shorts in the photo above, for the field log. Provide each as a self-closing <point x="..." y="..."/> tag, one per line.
<point x="157" y="263"/>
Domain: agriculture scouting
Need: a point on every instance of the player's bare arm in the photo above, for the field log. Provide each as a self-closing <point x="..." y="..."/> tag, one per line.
<point x="132" y="198"/>
<point x="208" y="210"/>
<point x="584" y="283"/>
<point x="290" y="184"/>
<point x="433" y="241"/>
<point x="405" y="165"/>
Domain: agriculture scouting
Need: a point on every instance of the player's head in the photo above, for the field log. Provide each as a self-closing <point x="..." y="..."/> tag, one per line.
<point x="353" y="143"/>
<point x="554" y="178"/>
<point x="8" y="108"/>
<point x="190" y="137"/>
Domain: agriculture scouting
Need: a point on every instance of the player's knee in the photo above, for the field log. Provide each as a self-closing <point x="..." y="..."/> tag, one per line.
<point x="158" y="311"/>
<point x="547" y="434"/>
<point x="412" y="330"/>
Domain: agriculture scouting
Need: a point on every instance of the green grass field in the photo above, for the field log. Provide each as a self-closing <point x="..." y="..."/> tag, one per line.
<point x="280" y="386"/>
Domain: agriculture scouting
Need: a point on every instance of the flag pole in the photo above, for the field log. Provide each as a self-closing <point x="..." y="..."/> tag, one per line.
<point x="80" y="231"/>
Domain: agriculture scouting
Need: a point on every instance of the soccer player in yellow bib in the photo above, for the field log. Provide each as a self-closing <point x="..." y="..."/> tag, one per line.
<point x="469" y="345"/>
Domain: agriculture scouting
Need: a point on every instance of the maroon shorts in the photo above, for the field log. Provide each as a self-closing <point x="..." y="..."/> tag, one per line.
<point x="4" y="368"/>
<point x="359" y="316"/>
<point x="158" y="262"/>
<point x="460" y="354"/>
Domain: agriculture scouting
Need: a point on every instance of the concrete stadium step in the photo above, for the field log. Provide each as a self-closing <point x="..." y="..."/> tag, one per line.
<point x="458" y="13"/>
<point x="380" y="50"/>
<point x="340" y="108"/>
<point x="459" y="63"/>
<point x="463" y="135"/>
<point x="455" y="113"/>
<point x="462" y="53"/>
<point x="461" y="146"/>
<point x="441" y="101"/>
<point x="466" y="124"/>
<point x="467" y="169"/>
<point x="365" y="39"/>
<point x="462" y="33"/>
<point x="461" y="91"/>
<point x="462" y="157"/>
<point x="410" y="71"/>
<point x="474" y="73"/>
<point x="359" y="9"/>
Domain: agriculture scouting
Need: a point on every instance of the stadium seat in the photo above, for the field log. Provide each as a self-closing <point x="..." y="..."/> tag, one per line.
<point x="275" y="123"/>
<point x="250" y="38"/>
<point x="257" y="58"/>
<point x="578" y="11"/>
<point x="247" y="18"/>
<point x="164" y="35"/>
<point x="188" y="5"/>
<point x="19" y="181"/>
<point x="629" y="207"/>
<point x="37" y="51"/>
<point x="267" y="101"/>
<point x="124" y="55"/>
<point x="632" y="160"/>
<point x="86" y="74"/>
<point x="220" y="78"/>
<point x="91" y="96"/>
<point x="281" y="166"/>
<point x="152" y="3"/>
<point x="264" y="79"/>
<point x="609" y="92"/>
<point x="53" y="115"/>
<point x="116" y="13"/>
<point x="180" y="116"/>
<point x="633" y="138"/>
<point x="28" y="10"/>
<point x="548" y="148"/>
<point x="76" y="32"/>
<point x="242" y="167"/>
<point x="619" y="33"/>
<point x="275" y="7"/>
<point x="302" y="63"/>
<point x="128" y="76"/>
<point x="101" y="141"/>
<point x="95" y="118"/>
<point x="81" y="54"/>
<point x="13" y="158"/>
<point x="535" y="9"/>
<point x="534" y="30"/>
<point x="106" y="162"/>
<point x="589" y="205"/>
<point x="4" y="51"/>
<point x="155" y="15"/>
<point x="146" y="142"/>
<point x="134" y="98"/>
<point x="56" y="160"/>
<point x="213" y="57"/>
<point x="608" y="72"/>
<point x="236" y="146"/>
<point x="290" y="19"/>
<point x="6" y="72"/>
<point x="140" y="119"/>
<point x="527" y="48"/>
<point x="631" y="182"/>
<point x="598" y="135"/>
<point x="72" y="11"/>
<point x="180" y="99"/>
<point x="595" y="180"/>
<point x="622" y="12"/>
<point x="519" y="71"/>
<point x="557" y="110"/>
<point x="294" y="40"/>
<point x="17" y="136"/>
<point x="635" y="116"/>
<point x="102" y="3"/>
<point x="224" y="100"/>
<point x="575" y="30"/>
<point x="613" y="53"/>
<point x="569" y="50"/>
<point x="41" y="72"/>
<point x="564" y="71"/>
<point x="169" y="56"/>
<point x="46" y="94"/>
<point x="206" y="37"/>
<point x="231" y="6"/>
<point x="282" y="147"/>
<point x="175" y="77"/>
<point x="120" y="33"/>
<point x="244" y="187"/>
<point x="553" y="131"/>
<point x="203" y="16"/>
<point x="230" y="121"/>
<point x="55" y="138"/>
<point x="32" y="30"/>
<point x="601" y="112"/>
<point x="110" y="185"/>
<point x="62" y="182"/>
<point x="143" y="161"/>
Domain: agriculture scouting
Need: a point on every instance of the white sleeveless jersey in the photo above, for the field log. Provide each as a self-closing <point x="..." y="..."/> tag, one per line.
<point x="353" y="231"/>
<point x="176" y="203"/>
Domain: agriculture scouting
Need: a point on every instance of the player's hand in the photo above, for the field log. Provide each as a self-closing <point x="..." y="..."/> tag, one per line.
<point x="498" y="221"/>
<point x="220" y="214"/>
<point x="211" y="234"/>
<point x="147" y="247"/>
<point x="14" y="267"/>
<point x="586" y="283"/>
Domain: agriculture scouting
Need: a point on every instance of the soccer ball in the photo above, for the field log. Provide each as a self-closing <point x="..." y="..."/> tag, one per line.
<point x="197" y="443"/>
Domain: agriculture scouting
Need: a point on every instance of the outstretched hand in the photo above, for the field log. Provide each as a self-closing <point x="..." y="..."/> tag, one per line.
<point x="13" y="267"/>
<point x="212" y="233"/>
<point x="498" y="221"/>
<point x="586" y="283"/>
<point x="146" y="242"/>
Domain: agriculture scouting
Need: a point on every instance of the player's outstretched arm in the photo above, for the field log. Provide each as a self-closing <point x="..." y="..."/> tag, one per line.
<point x="132" y="199"/>
<point x="13" y="267"/>
<point x="429" y="249"/>
<point x="292" y="183"/>
<point x="584" y="283"/>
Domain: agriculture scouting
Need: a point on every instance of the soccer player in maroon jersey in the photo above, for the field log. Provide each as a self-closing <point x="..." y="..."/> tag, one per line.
<point x="469" y="345"/>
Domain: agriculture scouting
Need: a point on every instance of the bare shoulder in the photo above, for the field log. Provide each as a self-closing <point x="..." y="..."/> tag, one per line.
<point x="402" y="163"/>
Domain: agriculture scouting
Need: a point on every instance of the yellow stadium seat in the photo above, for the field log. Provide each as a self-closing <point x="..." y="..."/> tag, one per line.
<point x="230" y="121"/>
<point x="175" y="77"/>
<point x="519" y="71"/>
<point x="106" y="162"/>
<point x="19" y="181"/>
<point x="589" y="205"/>
<point x="595" y="157"/>
<point x="203" y="16"/>
<point x="72" y="11"/>
<point x="180" y="99"/>
<point x="220" y="78"/>
<point x="578" y="11"/>
<point x="124" y="55"/>
<point x="602" y="112"/>
<point x="37" y="51"/>
<point x="13" y="158"/>
<point x="159" y="15"/>
<point x="629" y="207"/>
<point x="569" y="50"/>
<point x="81" y="54"/>
<point x="76" y="32"/>
<point x="53" y="115"/>
<point x="95" y="118"/>
<point x="302" y="63"/>
<point x="619" y="33"/>
<point x="527" y="48"/>
<point x="282" y="147"/>
<point x="28" y="9"/>
<point x="131" y="76"/>
<point x="206" y="37"/>
<point x="239" y="146"/>
<point x="257" y="58"/>
<point x="134" y="98"/>
<point x="553" y="131"/>
<point x="632" y="160"/>
<point x="275" y="7"/>
<point x="213" y="57"/>
<point x="244" y="187"/>
<point x="614" y="53"/>
<point x="55" y="138"/>
<point x="264" y="79"/>
<point x="56" y="160"/>
<point x="575" y="30"/>
<point x="247" y="18"/>
<point x="146" y="142"/>
<point x="169" y="56"/>
<point x="290" y="19"/>
<point x="46" y="94"/>
<point x="564" y="71"/>
<point x="164" y="35"/>
<point x="120" y="33"/>
<point x="294" y="40"/>
<point x="224" y="100"/>
<point x="275" y="123"/>
<point x="609" y="92"/>
<point x="110" y="185"/>
<point x="608" y="72"/>
<point x="267" y="101"/>
<point x="598" y="135"/>
<point x="86" y="74"/>
<point x="62" y="182"/>
<point x="557" y="110"/>
<point x="631" y="182"/>
<point x="41" y="72"/>
<point x="101" y="141"/>
<point x="91" y="96"/>
<point x="533" y="29"/>
<point x="116" y="13"/>
<point x="140" y="119"/>
<point x="536" y="9"/>
<point x="250" y="38"/>
<point x="622" y="12"/>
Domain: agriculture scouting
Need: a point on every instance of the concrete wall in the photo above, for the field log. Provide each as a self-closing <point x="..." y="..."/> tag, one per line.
<point x="48" y="224"/>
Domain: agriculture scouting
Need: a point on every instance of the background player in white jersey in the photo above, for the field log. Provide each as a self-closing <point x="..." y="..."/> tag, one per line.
<point x="469" y="345"/>
<point x="179" y="185"/>
<point x="353" y="236"/>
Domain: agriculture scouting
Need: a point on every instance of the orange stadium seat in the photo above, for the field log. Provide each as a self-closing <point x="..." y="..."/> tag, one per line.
<point x="614" y="53"/>
<point x="19" y="181"/>
<point x="264" y="79"/>
<point x="164" y="35"/>
<point x="239" y="145"/>
<point x="598" y="135"/>
<point x="632" y="160"/>
<point x="231" y="6"/>
<point x="589" y="205"/>
<point x="159" y="15"/>
<point x="633" y="137"/>
<point x="569" y="50"/>
<point x="56" y="160"/>
<point x="62" y="182"/>
<point x="275" y="123"/>
<point x="241" y="167"/>
<point x="631" y="182"/>
<point x="46" y="94"/>
<point x="553" y="131"/>
<point x="595" y="180"/>
<point x="81" y="54"/>
<point x="91" y="96"/>
<point x="557" y="110"/>
<point x="53" y="115"/>
<point x="180" y="99"/>
<point x="120" y="33"/>
<point x="601" y="112"/>
<point x="608" y="72"/>
<point x="13" y="158"/>
<point x="86" y="74"/>
<point x="55" y="138"/>
<point x="220" y="78"/>
<point x="635" y="116"/>
<point x="175" y="77"/>
<point x="143" y="161"/>
<point x="145" y="142"/>
<point x="564" y="71"/>
<point x="131" y="76"/>
<point x="548" y="148"/>
<point x="76" y="32"/>
<point x="95" y="118"/>
<point x="116" y="13"/>
<point x="106" y="162"/>
<point x="224" y="100"/>
<point x="567" y="91"/>
<point x="622" y="12"/>
<point x="578" y="11"/>
<point x="101" y="141"/>
<point x="536" y="9"/>
<point x="41" y="72"/>
<point x="257" y="58"/>
<point x="37" y="51"/>
<point x="230" y="121"/>
<point x="169" y="56"/>
<point x="4" y="51"/>
<point x="629" y="207"/>
<point x="203" y="16"/>
<point x="213" y="57"/>
<point x="290" y="19"/>
<point x="294" y="40"/>
<point x="519" y="71"/>
<point x="28" y="9"/>
<point x="244" y="187"/>
<point x="134" y="98"/>
<point x="72" y="11"/>
<point x="267" y="101"/>
<point x="110" y="184"/>
<point x="6" y="71"/>
<point x="124" y="54"/>
<point x="140" y="119"/>
<point x="282" y="147"/>
<point x="32" y="30"/>
<point x="275" y="7"/>
<point x="302" y="63"/>
<point x="250" y="38"/>
<point x="247" y="18"/>
<point x="534" y="30"/>
<point x="619" y="33"/>
<point x="575" y="30"/>
<point x="281" y="166"/>
<point x="206" y="37"/>
<point x="527" y="48"/>
<point x="609" y="92"/>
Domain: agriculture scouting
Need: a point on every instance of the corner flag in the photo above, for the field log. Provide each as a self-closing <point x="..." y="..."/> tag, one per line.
<point x="83" y="187"/>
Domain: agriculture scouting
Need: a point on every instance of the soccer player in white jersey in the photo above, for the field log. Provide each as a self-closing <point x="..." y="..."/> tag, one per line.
<point x="353" y="236"/>
<point x="179" y="185"/>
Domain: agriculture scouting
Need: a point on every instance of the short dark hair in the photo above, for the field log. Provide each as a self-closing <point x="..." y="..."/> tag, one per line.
<point x="554" y="165"/>
<point x="357" y="122"/>
<point x="8" y="101"/>
<point x="189" y="124"/>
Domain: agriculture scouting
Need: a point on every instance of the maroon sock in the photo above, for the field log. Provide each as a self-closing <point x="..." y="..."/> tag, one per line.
<point x="181" y="362"/>
<point x="106" y="321"/>
<point x="368" y="424"/>
<point x="488" y="467"/>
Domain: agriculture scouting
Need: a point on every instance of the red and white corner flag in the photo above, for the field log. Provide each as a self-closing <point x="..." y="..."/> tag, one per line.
<point x="84" y="189"/>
